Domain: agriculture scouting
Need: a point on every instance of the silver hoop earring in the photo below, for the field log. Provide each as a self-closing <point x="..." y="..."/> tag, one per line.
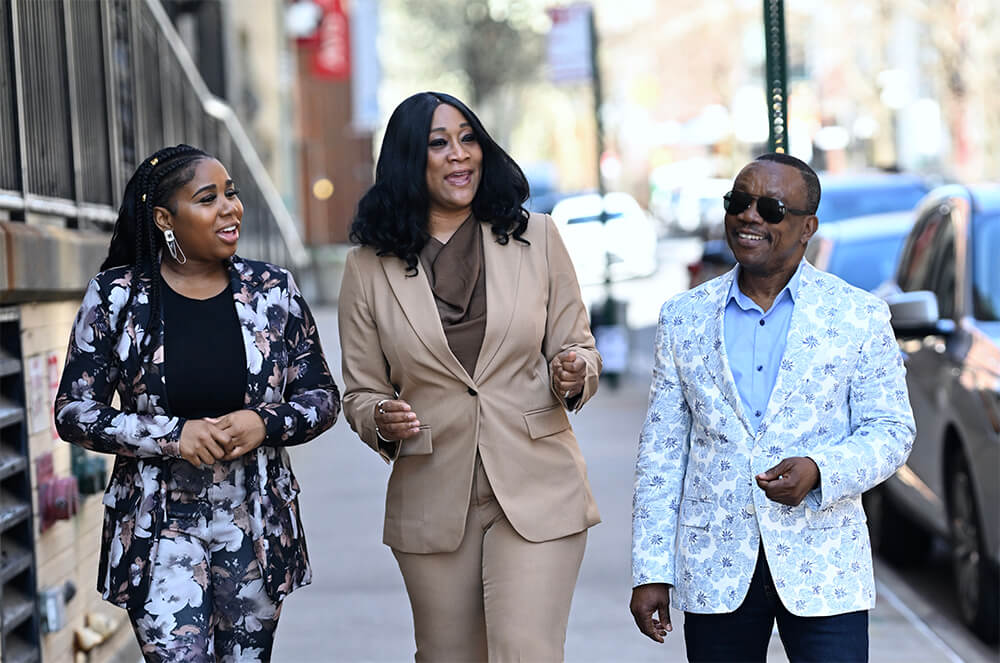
<point x="173" y="247"/>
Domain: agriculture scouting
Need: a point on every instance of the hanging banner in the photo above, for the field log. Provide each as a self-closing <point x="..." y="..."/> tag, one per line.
<point x="569" y="44"/>
<point x="364" y="65"/>
<point x="332" y="58"/>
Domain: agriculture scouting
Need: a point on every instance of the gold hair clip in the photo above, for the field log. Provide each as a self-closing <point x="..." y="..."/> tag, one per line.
<point x="154" y="161"/>
<point x="143" y="199"/>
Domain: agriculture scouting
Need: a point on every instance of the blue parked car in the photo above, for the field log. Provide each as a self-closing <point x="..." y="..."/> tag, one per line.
<point x="864" y="250"/>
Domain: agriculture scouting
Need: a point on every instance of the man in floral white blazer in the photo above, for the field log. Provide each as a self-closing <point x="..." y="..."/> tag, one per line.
<point x="778" y="398"/>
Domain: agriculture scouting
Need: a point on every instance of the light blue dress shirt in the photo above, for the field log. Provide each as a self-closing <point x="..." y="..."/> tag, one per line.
<point x="755" y="342"/>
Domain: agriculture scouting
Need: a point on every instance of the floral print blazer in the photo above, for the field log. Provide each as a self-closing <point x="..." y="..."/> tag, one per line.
<point x="288" y="384"/>
<point x="840" y="398"/>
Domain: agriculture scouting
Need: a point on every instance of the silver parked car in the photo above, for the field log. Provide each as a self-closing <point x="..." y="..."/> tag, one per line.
<point x="945" y="303"/>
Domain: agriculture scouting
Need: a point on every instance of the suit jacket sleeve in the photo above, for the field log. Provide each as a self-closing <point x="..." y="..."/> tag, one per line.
<point x="311" y="401"/>
<point x="882" y="426"/>
<point x="664" y="444"/>
<point x="366" y="373"/>
<point x="83" y="411"/>
<point x="567" y="325"/>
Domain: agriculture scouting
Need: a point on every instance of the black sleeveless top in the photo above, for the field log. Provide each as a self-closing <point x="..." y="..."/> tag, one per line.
<point x="204" y="360"/>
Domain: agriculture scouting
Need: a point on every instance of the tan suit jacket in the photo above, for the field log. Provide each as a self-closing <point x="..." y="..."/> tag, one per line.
<point x="393" y="343"/>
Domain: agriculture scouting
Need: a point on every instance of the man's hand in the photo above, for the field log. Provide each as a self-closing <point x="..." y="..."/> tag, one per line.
<point x="202" y="442"/>
<point x="245" y="429"/>
<point x="648" y="600"/>
<point x="568" y="373"/>
<point x="396" y="420"/>
<point x="789" y="481"/>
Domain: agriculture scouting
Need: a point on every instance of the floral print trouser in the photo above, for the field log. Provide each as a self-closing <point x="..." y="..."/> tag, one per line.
<point x="206" y="600"/>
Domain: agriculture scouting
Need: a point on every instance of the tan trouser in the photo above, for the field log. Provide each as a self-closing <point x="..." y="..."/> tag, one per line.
<point x="499" y="597"/>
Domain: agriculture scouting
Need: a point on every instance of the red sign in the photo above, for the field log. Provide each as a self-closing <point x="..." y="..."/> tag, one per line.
<point x="332" y="58"/>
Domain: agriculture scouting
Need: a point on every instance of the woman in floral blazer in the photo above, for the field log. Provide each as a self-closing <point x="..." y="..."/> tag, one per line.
<point x="202" y="537"/>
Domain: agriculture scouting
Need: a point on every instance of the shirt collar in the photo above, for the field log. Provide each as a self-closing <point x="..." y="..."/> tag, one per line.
<point x="791" y="290"/>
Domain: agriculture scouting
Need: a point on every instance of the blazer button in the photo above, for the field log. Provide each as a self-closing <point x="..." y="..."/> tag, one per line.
<point x="472" y="392"/>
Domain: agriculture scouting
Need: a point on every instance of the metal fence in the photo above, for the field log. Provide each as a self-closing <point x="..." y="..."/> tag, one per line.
<point x="89" y="87"/>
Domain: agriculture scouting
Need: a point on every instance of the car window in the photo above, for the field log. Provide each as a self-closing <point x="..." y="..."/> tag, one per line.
<point x="943" y="281"/>
<point x="985" y="275"/>
<point x="837" y="204"/>
<point x="865" y="264"/>
<point x="918" y="252"/>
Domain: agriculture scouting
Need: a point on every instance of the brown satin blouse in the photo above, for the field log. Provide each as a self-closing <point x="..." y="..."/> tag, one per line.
<point x="457" y="277"/>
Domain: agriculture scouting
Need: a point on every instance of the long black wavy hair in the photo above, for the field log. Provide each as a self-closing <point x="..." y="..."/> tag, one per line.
<point x="136" y="241"/>
<point x="392" y="215"/>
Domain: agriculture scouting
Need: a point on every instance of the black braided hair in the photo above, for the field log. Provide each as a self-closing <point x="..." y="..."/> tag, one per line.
<point x="136" y="241"/>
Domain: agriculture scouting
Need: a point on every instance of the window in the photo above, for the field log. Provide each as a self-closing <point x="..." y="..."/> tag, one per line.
<point x="918" y="253"/>
<point x="985" y="275"/>
<point x="865" y="264"/>
<point x="943" y="283"/>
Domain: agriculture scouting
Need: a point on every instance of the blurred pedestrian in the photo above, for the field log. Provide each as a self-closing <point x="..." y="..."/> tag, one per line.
<point x="465" y="341"/>
<point x="218" y="367"/>
<point x="778" y="398"/>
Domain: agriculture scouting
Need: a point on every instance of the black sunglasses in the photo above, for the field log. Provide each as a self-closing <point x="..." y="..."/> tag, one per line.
<point x="771" y="210"/>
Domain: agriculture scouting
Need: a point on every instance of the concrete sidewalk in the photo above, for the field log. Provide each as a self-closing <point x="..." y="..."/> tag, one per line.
<point x="357" y="611"/>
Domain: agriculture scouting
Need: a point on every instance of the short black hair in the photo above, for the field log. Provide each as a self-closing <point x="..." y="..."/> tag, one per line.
<point x="392" y="215"/>
<point x="813" y="190"/>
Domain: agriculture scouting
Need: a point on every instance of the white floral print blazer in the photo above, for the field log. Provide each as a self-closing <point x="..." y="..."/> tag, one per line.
<point x="840" y="398"/>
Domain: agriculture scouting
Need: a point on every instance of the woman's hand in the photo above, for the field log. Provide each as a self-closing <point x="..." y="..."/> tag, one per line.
<point x="245" y="429"/>
<point x="202" y="442"/>
<point x="395" y="420"/>
<point x="568" y="373"/>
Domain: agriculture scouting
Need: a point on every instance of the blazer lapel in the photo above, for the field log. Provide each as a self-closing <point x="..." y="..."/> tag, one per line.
<point x="154" y="378"/>
<point x="800" y="346"/>
<point x="246" y="288"/>
<point x="714" y="346"/>
<point x="413" y="293"/>
<point x="503" y="276"/>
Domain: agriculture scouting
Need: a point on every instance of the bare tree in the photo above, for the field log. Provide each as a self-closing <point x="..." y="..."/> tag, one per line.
<point x="493" y="48"/>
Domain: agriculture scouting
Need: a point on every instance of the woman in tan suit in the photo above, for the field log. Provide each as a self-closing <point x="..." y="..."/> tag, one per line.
<point x="465" y="341"/>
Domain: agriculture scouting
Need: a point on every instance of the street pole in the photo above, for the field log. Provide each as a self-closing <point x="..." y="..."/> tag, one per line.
<point x="608" y="319"/>
<point x="599" y="122"/>
<point x="777" y="75"/>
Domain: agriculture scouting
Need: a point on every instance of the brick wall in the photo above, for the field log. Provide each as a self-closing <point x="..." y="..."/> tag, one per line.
<point x="68" y="550"/>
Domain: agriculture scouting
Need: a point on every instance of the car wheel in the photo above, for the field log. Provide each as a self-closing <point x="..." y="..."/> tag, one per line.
<point x="975" y="575"/>
<point x="893" y="535"/>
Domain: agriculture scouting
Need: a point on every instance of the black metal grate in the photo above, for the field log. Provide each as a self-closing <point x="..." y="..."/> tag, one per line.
<point x="124" y="88"/>
<point x="151" y="101"/>
<point x="92" y="105"/>
<point x="10" y="161"/>
<point x="101" y="86"/>
<point x="43" y="69"/>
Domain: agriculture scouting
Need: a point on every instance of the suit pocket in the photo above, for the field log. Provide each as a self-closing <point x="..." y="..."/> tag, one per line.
<point x="546" y="421"/>
<point x="418" y="445"/>
<point x="843" y="515"/>
<point x="695" y="513"/>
